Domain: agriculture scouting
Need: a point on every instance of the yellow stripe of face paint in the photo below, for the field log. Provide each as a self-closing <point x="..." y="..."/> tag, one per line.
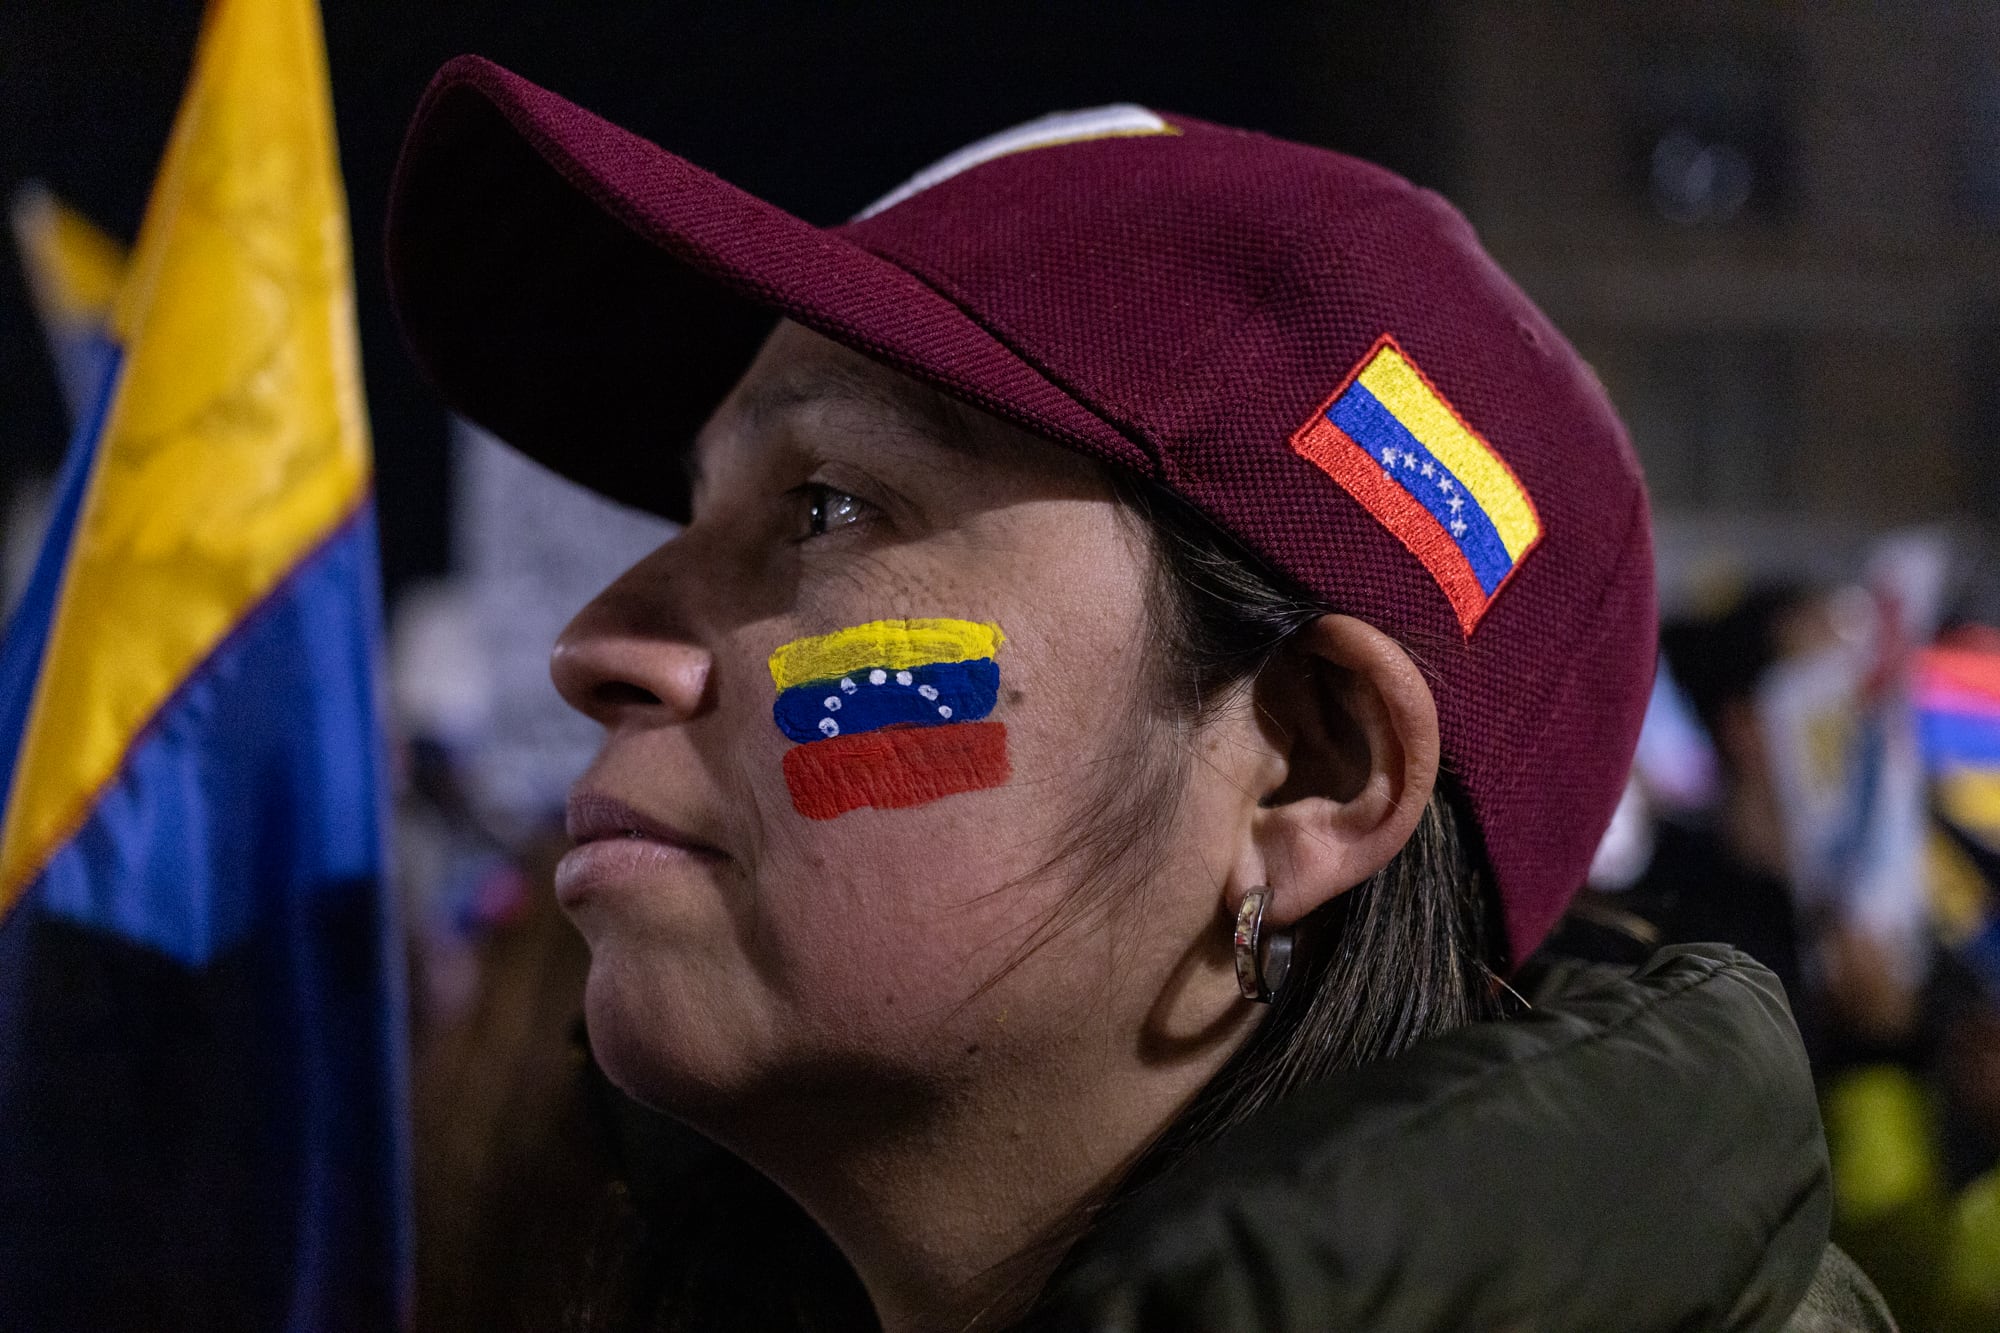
<point x="894" y="644"/>
<point x="1396" y="383"/>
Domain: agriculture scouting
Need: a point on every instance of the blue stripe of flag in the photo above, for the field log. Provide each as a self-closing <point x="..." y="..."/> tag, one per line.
<point x="201" y="1015"/>
<point x="855" y="703"/>
<point x="1375" y="428"/>
<point x="27" y="631"/>
<point x="258" y="782"/>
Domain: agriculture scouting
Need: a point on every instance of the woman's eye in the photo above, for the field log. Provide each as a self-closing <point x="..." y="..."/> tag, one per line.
<point x="828" y="509"/>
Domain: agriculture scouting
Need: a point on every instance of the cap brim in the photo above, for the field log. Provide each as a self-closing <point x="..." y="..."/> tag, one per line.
<point x="590" y="297"/>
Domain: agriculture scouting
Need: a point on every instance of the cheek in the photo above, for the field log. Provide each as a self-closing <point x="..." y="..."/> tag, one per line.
<point x="902" y="914"/>
<point x="890" y="715"/>
<point x="895" y="913"/>
<point x="912" y="777"/>
<point x="898" y="714"/>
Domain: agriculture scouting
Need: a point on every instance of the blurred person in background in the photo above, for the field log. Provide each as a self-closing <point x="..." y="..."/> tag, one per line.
<point x="455" y="877"/>
<point x="1702" y="858"/>
<point x="1914" y="1127"/>
<point x="1726" y="873"/>
<point x="1733" y="878"/>
<point x="1904" y="1060"/>
<point x="510" y="1162"/>
<point x="1160" y="629"/>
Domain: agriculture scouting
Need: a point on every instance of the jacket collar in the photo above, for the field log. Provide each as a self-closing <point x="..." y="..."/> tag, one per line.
<point x="1640" y="1151"/>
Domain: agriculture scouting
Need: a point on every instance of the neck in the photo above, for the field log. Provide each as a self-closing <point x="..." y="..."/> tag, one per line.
<point x="955" y="1213"/>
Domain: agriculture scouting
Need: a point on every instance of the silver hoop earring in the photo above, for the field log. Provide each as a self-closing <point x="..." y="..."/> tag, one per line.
<point x="1262" y="958"/>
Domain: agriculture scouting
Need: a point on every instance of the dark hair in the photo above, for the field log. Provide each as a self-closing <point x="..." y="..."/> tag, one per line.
<point x="1410" y="953"/>
<point x="1406" y="955"/>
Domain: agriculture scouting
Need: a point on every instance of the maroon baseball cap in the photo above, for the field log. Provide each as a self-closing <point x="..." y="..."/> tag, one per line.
<point x="1313" y="352"/>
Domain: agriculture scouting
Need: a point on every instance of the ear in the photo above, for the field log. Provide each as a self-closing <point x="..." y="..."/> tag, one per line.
<point x="1354" y="727"/>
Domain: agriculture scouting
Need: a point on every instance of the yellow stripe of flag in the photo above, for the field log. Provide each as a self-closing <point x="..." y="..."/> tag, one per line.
<point x="1396" y="383"/>
<point x="236" y="441"/>
<point x="893" y="644"/>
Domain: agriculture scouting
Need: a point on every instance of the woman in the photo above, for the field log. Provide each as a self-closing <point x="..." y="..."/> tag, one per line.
<point x="1160" y="628"/>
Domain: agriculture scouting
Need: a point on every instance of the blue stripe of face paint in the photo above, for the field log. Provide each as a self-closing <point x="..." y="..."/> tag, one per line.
<point x="925" y="696"/>
<point x="1375" y="428"/>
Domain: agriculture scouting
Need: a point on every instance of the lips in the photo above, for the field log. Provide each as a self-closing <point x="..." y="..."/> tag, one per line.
<point x="596" y="817"/>
<point x="620" y="849"/>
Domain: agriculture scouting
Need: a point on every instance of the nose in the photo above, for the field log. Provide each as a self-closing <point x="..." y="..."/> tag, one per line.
<point x="622" y="661"/>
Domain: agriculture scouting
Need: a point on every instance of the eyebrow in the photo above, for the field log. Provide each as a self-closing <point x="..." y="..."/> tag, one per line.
<point x="917" y="407"/>
<point x="917" y="404"/>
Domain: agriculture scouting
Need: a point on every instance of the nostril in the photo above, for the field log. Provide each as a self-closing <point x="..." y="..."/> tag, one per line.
<point x="609" y="674"/>
<point x="612" y="694"/>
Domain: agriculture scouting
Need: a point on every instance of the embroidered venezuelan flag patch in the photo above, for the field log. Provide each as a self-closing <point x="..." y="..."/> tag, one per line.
<point x="889" y="714"/>
<point x="1394" y="443"/>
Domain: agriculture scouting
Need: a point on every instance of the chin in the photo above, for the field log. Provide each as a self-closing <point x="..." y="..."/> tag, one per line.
<point x="664" y="1047"/>
<point x="704" y="1057"/>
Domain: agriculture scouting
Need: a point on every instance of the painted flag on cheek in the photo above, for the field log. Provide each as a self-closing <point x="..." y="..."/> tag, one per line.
<point x="890" y="714"/>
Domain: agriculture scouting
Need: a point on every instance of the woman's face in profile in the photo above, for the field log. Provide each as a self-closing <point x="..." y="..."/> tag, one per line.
<point x="843" y="896"/>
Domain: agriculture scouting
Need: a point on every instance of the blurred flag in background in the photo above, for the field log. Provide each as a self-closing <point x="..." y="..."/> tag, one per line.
<point x="201" y="1119"/>
<point x="1958" y="718"/>
<point x="73" y="272"/>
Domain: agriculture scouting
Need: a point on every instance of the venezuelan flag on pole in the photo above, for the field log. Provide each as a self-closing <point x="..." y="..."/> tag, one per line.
<point x="200" y="1023"/>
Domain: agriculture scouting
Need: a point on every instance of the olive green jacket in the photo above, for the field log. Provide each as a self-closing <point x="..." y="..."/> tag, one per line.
<point x="1641" y="1151"/>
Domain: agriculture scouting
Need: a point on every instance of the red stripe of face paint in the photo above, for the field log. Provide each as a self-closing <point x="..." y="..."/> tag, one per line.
<point x="1328" y="447"/>
<point x="895" y="769"/>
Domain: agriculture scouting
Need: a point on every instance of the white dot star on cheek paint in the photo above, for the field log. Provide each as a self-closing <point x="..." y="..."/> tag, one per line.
<point x="928" y="691"/>
<point x="903" y="678"/>
<point x="847" y="685"/>
<point x="832" y="703"/>
<point x="877" y="676"/>
<point x="944" y="711"/>
<point x="828" y="727"/>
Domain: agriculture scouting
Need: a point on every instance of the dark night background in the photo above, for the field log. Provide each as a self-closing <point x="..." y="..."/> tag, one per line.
<point x="818" y="108"/>
<point x="1773" y="230"/>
